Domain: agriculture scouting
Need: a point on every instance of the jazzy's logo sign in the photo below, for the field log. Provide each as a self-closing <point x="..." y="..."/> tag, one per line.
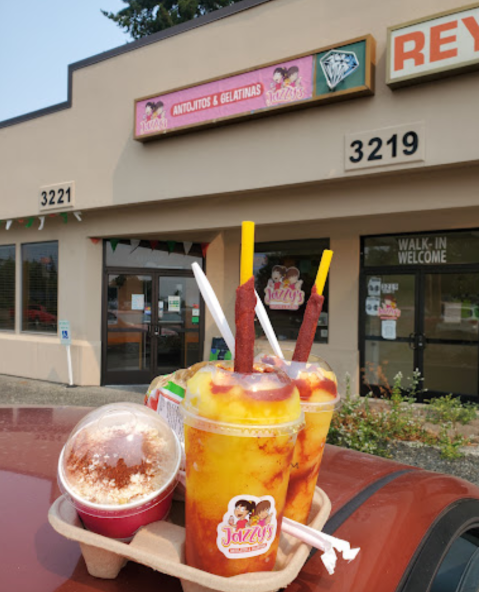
<point x="389" y="308"/>
<point x="248" y="528"/>
<point x="283" y="291"/>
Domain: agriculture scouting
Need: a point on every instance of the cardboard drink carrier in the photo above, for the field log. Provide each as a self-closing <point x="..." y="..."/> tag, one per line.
<point x="160" y="545"/>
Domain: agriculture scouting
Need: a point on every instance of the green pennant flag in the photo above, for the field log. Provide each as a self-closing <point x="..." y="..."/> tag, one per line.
<point x="114" y="243"/>
<point x="171" y="246"/>
<point x="30" y="222"/>
<point x="64" y="215"/>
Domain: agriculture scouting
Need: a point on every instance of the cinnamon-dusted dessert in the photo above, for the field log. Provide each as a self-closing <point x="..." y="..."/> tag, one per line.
<point x="118" y="464"/>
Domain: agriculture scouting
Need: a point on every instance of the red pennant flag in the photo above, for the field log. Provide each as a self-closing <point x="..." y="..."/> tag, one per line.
<point x="204" y="249"/>
<point x="154" y="244"/>
<point x="95" y="240"/>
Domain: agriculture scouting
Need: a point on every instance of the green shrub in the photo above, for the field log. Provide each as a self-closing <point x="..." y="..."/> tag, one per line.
<point x="361" y="426"/>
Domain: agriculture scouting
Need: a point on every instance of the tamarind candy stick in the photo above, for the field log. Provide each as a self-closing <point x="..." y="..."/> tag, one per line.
<point x="304" y="343"/>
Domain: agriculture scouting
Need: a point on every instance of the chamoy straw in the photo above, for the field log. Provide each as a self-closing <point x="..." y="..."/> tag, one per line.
<point x="307" y="331"/>
<point x="245" y="304"/>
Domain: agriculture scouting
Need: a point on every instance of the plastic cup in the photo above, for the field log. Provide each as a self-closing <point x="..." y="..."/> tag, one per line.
<point x="119" y="469"/>
<point x="240" y="431"/>
<point x="317" y="387"/>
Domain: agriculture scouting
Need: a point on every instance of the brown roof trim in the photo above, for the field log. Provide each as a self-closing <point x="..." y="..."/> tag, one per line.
<point x="112" y="53"/>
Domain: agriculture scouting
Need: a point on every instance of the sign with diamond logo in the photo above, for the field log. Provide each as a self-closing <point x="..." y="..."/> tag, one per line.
<point x="338" y="65"/>
<point x="297" y="82"/>
<point x="345" y="70"/>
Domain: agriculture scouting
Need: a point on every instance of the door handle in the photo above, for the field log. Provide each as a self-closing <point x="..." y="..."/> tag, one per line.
<point x="421" y="341"/>
<point x="412" y="341"/>
<point x="156" y="330"/>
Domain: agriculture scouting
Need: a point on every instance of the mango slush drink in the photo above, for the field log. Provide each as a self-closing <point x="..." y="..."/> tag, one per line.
<point x="318" y="391"/>
<point x="240" y="432"/>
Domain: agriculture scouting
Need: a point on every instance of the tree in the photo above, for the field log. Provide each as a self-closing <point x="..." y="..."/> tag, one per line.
<point x="144" y="17"/>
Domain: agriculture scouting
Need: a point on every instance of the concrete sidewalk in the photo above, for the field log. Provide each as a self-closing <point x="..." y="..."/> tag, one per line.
<point x="23" y="391"/>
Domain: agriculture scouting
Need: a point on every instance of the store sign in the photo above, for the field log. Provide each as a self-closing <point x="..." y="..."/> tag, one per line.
<point x="424" y="250"/>
<point x="388" y="310"/>
<point x="283" y="291"/>
<point x="439" y="45"/>
<point x="298" y="82"/>
<point x="441" y="248"/>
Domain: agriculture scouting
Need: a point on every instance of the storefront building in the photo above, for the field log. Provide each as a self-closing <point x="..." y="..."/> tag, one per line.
<point x="329" y="125"/>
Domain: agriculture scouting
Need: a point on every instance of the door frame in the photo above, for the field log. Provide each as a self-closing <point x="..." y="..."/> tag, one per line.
<point x="138" y="376"/>
<point x="419" y="271"/>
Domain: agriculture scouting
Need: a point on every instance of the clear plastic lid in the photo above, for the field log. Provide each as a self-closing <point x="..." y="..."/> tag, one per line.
<point x="120" y="455"/>
<point x="225" y="401"/>
<point x="315" y="379"/>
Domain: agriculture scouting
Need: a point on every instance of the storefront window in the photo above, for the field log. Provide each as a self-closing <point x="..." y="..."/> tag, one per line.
<point x="40" y="287"/>
<point x="420" y="311"/>
<point x="439" y="248"/>
<point x="152" y="254"/>
<point x="284" y="276"/>
<point x="7" y="287"/>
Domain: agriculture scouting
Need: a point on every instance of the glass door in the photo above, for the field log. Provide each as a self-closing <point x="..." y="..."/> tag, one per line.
<point x="389" y="320"/>
<point x="128" y="328"/>
<point x="450" y="329"/>
<point x="178" y="341"/>
<point x="153" y="325"/>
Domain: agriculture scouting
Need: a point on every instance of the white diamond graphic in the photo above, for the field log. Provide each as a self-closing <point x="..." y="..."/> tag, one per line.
<point x="338" y="65"/>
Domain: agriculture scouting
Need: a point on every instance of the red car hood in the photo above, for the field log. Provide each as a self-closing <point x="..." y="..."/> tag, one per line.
<point x="379" y="505"/>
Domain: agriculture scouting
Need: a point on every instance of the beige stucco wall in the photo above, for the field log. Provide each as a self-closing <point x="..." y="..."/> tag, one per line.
<point x="285" y="172"/>
<point x="92" y="142"/>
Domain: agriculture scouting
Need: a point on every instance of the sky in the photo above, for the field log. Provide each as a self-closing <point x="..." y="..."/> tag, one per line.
<point x="39" y="38"/>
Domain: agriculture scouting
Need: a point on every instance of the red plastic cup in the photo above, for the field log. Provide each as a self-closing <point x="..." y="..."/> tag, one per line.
<point x="124" y="427"/>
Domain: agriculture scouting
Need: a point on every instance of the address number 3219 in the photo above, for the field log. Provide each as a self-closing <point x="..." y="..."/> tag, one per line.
<point x="57" y="197"/>
<point x="385" y="147"/>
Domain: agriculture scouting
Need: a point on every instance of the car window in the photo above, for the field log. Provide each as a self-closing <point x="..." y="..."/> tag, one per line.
<point x="459" y="571"/>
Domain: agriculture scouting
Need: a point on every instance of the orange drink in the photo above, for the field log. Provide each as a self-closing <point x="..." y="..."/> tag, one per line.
<point x="240" y="432"/>
<point x="318" y="390"/>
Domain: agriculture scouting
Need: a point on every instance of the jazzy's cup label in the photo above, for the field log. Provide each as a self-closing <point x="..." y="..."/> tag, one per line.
<point x="248" y="528"/>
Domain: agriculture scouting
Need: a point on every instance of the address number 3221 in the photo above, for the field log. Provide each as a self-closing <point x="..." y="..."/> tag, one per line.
<point x="385" y="147"/>
<point x="57" y="197"/>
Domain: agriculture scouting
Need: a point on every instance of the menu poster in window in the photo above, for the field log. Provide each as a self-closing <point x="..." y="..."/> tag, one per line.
<point x="374" y="286"/>
<point x="137" y="301"/>
<point x="174" y="303"/>
<point x="388" y="330"/>
<point x="195" y="314"/>
<point x="372" y="306"/>
<point x="452" y="312"/>
<point x="283" y="291"/>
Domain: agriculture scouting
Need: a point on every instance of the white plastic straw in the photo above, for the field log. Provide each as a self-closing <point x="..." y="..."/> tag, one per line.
<point x="267" y="327"/>
<point x="321" y="541"/>
<point x="214" y="306"/>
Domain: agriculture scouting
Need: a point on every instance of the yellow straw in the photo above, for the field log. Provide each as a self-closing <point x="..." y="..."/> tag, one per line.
<point x="323" y="270"/>
<point x="247" y="251"/>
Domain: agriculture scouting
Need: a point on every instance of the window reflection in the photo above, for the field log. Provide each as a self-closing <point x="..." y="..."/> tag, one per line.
<point x="40" y="287"/>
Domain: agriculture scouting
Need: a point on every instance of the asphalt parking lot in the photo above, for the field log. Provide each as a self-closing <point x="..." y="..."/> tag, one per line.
<point x="23" y="391"/>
